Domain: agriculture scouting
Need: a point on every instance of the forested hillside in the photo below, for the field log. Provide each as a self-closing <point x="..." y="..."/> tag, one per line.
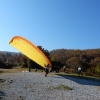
<point x="12" y="59"/>
<point x="88" y="59"/>
<point x="62" y="60"/>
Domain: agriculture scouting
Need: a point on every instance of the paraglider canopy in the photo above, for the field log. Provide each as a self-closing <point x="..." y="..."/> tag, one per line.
<point x="30" y="50"/>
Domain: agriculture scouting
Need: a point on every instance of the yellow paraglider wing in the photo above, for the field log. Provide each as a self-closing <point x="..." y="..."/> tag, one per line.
<point x="29" y="50"/>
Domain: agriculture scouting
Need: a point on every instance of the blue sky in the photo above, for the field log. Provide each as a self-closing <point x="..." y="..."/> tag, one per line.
<point x="52" y="24"/>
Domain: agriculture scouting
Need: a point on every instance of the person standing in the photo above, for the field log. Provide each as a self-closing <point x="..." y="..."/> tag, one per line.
<point x="79" y="71"/>
<point x="47" y="70"/>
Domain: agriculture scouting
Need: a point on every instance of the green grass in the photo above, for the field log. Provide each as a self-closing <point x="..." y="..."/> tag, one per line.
<point x="60" y="87"/>
<point x="63" y="87"/>
<point x="25" y="87"/>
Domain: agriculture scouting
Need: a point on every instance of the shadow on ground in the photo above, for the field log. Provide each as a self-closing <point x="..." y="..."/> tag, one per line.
<point x="2" y="94"/>
<point x="80" y="79"/>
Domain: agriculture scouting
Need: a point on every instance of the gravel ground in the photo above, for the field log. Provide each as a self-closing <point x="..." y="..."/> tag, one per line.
<point x="35" y="86"/>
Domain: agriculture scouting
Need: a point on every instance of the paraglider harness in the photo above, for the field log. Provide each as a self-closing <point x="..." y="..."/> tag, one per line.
<point x="47" y="70"/>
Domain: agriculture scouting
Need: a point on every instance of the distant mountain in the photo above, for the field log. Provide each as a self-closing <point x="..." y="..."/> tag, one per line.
<point x="12" y="53"/>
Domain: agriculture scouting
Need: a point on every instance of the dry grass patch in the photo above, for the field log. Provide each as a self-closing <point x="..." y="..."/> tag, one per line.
<point x="61" y="87"/>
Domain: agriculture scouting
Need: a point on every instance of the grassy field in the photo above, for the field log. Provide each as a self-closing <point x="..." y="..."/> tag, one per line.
<point x="14" y="70"/>
<point x="18" y="69"/>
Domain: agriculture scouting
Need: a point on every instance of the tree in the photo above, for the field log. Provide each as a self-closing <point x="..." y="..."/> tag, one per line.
<point x="45" y="51"/>
<point x="73" y="63"/>
<point x="96" y="65"/>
